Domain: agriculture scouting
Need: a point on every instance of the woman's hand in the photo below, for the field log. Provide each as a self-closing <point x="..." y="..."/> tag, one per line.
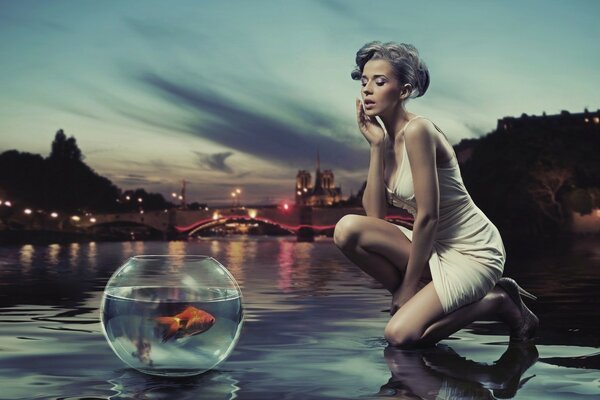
<point x="368" y="126"/>
<point x="401" y="296"/>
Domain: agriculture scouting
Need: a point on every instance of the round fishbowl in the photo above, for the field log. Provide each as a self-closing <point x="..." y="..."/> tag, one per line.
<point x="171" y="315"/>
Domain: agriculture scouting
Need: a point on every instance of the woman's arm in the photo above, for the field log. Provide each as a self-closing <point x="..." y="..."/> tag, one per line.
<point x="374" y="200"/>
<point x="420" y="147"/>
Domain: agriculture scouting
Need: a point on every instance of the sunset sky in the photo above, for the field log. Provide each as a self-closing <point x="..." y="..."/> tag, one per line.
<point x="230" y="94"/>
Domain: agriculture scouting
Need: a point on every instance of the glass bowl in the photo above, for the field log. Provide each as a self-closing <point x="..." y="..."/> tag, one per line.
<point x="172" y="315"/>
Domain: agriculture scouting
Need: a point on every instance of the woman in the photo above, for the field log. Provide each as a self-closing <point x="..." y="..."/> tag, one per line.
<point x="446" y="272"/>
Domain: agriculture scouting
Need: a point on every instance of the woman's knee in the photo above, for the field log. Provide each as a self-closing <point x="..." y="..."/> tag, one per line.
<point x="401" y="337"/>
<point x="347" y="230"/>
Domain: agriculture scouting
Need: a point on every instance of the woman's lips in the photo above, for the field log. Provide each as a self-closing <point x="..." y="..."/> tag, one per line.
<point x="369" y="104"/>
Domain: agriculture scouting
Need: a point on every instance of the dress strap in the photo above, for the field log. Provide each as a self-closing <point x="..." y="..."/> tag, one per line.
<point x="411" y="120"/>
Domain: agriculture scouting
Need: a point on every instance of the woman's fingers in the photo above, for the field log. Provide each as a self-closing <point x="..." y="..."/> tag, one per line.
<point x="359" y="112"/>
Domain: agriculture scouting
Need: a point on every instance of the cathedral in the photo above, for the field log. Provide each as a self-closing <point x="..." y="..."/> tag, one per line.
<point x="323" y="193"/>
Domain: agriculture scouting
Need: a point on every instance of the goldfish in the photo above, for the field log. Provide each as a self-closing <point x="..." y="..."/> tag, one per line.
<point x="189" y="322"/>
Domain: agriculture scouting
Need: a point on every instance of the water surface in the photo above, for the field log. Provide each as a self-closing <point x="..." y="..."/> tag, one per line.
<point x="313" y="329"/>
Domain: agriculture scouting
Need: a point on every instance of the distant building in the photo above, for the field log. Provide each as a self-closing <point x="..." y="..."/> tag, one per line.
<point x="563" y="120"/>
<point x="322" y="193"/>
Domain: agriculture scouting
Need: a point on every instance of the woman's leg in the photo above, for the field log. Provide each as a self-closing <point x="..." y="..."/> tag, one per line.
<point x="371" y="244"/>
<point x="496" y="305"/>
<point x="421" y="321"/>
<point x="376" y="246"/>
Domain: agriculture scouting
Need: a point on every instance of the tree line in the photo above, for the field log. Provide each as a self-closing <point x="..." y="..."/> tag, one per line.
<point x="63" y="182"/>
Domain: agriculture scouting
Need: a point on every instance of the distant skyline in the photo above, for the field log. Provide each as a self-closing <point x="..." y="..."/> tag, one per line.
<point x="243" y="94"/>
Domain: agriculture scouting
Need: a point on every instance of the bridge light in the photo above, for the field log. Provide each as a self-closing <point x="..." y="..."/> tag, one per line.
<point x="92" y="220"/>
<point x="27" y="211"/>
<point x="7" y="203"/>
<point x="127" y="198"/>
<point x="252" y="213"/>
<point x="215" y="216"/>
<point x="173" y="194"/>
<point x="75" y="218"/>
<point x="285" y="206"/>
<point x="54" y="215"/>
<point x="140" y="200"/>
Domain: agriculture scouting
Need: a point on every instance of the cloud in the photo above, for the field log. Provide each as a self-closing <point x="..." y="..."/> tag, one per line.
<point x="215" y="161"/>
<point x="135" y="179"/>
<point x="226" y="122"/>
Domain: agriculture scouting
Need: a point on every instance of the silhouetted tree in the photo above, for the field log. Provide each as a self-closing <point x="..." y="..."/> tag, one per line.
<point x="66" y="149"/>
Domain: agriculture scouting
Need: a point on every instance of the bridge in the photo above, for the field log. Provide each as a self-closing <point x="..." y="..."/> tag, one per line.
<point x="303" y="221"/>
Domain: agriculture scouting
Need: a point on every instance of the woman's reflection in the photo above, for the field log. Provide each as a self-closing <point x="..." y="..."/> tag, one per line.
<point x="440" y="373"/>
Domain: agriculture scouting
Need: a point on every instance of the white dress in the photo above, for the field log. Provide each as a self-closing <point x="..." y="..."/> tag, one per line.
<point x="467" y="257"/>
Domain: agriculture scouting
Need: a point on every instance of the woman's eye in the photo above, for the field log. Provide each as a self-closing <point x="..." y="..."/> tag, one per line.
<point x="380" y="83"/>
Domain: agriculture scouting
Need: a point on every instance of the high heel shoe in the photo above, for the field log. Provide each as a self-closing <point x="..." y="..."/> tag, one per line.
<point x="530" y="321"/>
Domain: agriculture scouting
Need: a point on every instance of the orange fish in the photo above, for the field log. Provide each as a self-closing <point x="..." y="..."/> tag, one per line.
<point x="189" y="322"/>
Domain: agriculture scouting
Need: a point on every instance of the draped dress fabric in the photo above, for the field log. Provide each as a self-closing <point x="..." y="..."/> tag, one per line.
<point x="468" y="255"/>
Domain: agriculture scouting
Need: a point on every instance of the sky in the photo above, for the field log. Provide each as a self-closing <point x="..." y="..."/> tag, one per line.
<point x="243" y="94"/>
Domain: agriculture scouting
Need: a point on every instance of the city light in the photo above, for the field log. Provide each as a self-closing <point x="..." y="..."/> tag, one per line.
<point x="180" y="197"/>
<point x="252" y="213"/>
<point x="127" y="198"/>
<point x="54" y="215"/>
<point x="7" y="203"/>
<point x="92" y="220"/>
<point x="140" y="200"/>
<point x="27" y="211"/>
<point x="75" y="218"/>
<point x="285" y="206"/>
<point x="174" y="194"/>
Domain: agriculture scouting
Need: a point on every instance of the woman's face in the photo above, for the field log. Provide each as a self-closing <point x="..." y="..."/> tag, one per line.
<point x="381" y="90"/>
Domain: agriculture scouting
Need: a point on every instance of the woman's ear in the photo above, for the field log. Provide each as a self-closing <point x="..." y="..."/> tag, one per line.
<point x="405" y="91"/>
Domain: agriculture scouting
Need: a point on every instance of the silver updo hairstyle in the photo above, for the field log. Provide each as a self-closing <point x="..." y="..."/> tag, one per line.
<point x="404" y="58"/>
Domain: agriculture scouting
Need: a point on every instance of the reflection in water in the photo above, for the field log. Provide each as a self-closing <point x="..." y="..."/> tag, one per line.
<point x="52" y="254"/>
<point x="285" y="262"/>
<point x="92" y="255"/>
<point x="215" y="249"/>
<point x="26" y="255"/>
<point x="235" y="259"/>
<point x="439" y="372"/>
<point x="73" y="254"/>
<point x="127" y="250"/>
<point x="139" y="247"/>
<point x="177" y="247"/>
<point x="212" y="384"/>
